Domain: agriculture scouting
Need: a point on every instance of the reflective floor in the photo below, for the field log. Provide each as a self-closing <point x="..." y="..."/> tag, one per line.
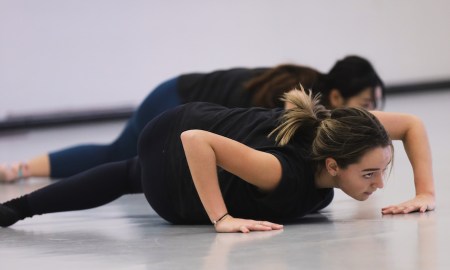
<point x="127" y="234"/>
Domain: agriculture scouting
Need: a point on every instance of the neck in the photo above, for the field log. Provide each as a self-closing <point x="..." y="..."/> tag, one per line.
<point x="324" y="180"/>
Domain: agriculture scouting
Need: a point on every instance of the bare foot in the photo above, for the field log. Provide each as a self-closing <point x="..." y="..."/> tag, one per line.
<point x="13" y="172"/>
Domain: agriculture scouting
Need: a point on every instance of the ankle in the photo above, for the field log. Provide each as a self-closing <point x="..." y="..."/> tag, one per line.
<point x="13" y="172"/>
<point x="14" y="210"/>
<point x="20" y="205"/>
<point x="23" y="170"/>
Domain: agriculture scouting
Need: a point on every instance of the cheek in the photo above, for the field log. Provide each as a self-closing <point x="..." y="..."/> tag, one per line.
<point x="351" y="183"/>
<point x="370" y="106"/>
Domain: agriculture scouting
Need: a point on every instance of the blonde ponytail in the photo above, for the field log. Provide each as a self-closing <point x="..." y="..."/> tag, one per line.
<point x="303" y="115"/>
<point x="345" y="134"/>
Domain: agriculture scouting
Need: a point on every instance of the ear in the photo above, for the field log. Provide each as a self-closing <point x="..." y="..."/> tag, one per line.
<point x="331" y="166"/>
<point x="336" y="99"/>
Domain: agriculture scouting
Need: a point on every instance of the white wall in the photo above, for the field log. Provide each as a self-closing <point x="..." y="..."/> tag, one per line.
<point x="59" y="54"/>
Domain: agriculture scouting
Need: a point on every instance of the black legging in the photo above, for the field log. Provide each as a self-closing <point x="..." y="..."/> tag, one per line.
<point x="105" y="183"/>
<point x="89" y="189"/>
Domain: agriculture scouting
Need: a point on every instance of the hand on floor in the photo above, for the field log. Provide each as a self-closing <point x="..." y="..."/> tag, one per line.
<point x="231" y="224"/>
<point x="420" y="203"/>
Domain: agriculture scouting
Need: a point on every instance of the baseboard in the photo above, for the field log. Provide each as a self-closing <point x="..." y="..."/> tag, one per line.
<point x="58" y="118"/>
<point x="405" y="88"/>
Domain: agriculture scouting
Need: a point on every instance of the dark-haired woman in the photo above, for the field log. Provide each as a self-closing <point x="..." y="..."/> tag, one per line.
<point x="275" y="165"/>
<point x="351" y="82"/>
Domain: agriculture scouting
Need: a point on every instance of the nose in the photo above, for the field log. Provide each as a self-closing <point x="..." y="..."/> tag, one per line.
<point x="378" y="182"/>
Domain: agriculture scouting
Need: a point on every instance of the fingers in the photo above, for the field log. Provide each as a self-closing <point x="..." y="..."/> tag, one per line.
<point x="420" y="203"/>
<point x="260" y="226"/>
<point x="232" y="224"/>
<point x="402" y="209"/>
<point x="423" y="208"/>
<point x="244" y="229"/>
<point x="271" y="225"/>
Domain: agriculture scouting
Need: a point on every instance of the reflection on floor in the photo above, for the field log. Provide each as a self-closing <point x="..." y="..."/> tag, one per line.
<point x="127" y="234"/>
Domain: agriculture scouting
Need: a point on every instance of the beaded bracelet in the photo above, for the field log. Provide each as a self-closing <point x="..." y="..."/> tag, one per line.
<point x="214" y="222"/>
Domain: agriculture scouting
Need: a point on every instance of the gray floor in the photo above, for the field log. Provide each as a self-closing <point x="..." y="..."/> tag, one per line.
<point x="127" y="234"/>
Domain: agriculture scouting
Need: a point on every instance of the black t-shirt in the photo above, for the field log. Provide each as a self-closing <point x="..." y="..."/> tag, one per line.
<point x="225" y="87"/>
<point x="295" y="196"/>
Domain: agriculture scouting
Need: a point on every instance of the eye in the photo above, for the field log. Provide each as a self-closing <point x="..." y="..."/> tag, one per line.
<point x="368" y="175"/>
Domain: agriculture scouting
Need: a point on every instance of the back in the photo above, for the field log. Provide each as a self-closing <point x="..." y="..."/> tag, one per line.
<point x="224" y="87"/>
<point x="295" y="196"/>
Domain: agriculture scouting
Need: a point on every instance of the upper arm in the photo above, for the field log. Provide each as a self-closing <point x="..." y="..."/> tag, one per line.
<point x="256" y="167"/>
<point x="397" y="124"/>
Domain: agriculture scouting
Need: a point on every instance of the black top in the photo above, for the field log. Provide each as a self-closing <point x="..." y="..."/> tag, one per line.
<point x="296" y="194"/>
<point x="223" y="87"/>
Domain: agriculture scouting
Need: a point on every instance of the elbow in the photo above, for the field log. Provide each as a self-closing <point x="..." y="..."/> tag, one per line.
<point x="415" y="123"/>
<point x="187" y="135"/>
<point x="415" y="119"/>
<point x="188" y="140"/>
<point x="412" y="124"/>
<point x="190" y="136"/>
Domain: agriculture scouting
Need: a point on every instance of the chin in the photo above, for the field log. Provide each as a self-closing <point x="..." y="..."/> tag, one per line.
<point x="361" y="198"/>
<point x="365" y="196"/>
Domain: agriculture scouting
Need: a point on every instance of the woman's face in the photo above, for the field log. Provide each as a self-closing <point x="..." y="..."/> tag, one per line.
<point x="364" y="99"/>
<point x="360" y="180"/>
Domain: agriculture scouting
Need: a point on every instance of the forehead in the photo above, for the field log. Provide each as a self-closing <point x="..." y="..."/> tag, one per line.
<point x="378" y="157"/>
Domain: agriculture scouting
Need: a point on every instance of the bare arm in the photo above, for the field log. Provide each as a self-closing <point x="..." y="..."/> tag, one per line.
<point x="205" y="151"/>
<point x="411" y="131"/>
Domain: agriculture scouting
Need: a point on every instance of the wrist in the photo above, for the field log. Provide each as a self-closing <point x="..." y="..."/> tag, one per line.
<point x="221" y="218"/>
<point x="430" y="194"/>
